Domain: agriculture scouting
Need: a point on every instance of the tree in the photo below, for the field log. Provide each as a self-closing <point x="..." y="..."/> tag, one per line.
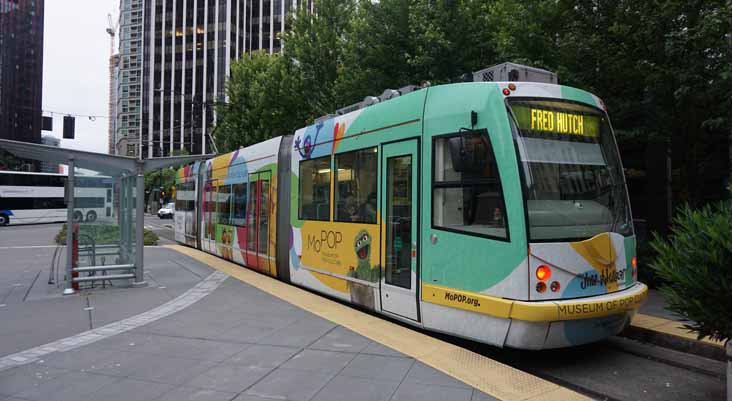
<point x="315" y="46"/>
<point x="263" y="102"/>
<point x="663" y="69"/>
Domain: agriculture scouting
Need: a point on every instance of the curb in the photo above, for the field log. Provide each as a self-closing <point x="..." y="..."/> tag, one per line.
<point x="677" y="343"/>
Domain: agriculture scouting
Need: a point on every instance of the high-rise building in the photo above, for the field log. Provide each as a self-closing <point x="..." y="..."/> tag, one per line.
<point x="129" y="77"/>
<point x="21" y="69"/>
<point x="113" y="88"/>
<point x="185" y="58"/>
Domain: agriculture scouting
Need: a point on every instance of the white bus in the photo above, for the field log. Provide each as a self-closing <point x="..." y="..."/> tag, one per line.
<point x="27" y="198"/>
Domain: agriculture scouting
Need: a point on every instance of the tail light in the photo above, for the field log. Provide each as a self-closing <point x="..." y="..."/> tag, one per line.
<point x="543" y="273"/>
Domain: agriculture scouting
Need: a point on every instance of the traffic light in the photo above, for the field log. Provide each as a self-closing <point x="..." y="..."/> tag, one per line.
<point x="69" y="126"/>
<point x="47" y="123"/>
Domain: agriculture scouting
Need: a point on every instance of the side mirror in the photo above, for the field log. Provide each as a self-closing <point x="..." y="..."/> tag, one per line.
<point x="468" y="152"/>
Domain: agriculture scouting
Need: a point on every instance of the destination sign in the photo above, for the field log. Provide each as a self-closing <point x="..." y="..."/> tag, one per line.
<point x="555" y="121"/>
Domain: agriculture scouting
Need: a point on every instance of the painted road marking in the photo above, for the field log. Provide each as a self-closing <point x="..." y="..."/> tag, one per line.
<point x="489" y="376"/>
<point x="188" y="298"/>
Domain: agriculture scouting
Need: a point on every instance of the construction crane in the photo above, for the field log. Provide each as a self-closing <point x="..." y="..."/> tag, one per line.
<point x="112" y="31"/>
<point x="113" y="64"/>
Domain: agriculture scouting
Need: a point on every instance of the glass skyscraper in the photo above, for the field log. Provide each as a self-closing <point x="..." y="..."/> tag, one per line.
<point x="21" y="69"/>
<point x="186" y="51"/>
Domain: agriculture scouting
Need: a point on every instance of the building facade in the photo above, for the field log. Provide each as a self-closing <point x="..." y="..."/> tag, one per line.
<point x="187" y="50"/>
<point x="129" y="78"/>
<point x="21" y="69"/>
<point x="113" y="88"/>
<point x="48" y="167"/>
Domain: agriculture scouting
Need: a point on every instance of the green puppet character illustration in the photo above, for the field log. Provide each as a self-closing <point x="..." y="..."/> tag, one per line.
<point x="363" y="294"/>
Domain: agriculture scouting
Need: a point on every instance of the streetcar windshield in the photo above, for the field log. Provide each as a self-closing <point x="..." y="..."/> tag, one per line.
<point x="572" y="177"/>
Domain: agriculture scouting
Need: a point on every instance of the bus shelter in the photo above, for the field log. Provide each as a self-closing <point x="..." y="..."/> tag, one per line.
<point x="105" y="202"/>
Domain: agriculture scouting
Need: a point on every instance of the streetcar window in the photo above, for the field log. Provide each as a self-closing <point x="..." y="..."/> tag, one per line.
<point x="466" y="188"/>
<point x="572" y="175"/>
<point x="223" y="200"/>
<point x="314" y="196"/>
<point x="355" y="186"/>
<point x="239" y="204"/>
<point x="209" y="209"/>
<point x="185" y="194"/>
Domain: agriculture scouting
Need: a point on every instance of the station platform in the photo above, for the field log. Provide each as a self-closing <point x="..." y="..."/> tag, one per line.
<point x="237" y="334"/>
<point x="207" y="329"/>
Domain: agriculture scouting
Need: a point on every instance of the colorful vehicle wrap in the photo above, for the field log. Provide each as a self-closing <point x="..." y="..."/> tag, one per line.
<point x="495" y="214"/>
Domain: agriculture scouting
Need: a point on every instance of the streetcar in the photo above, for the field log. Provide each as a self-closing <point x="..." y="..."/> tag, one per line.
<point x="27" y="198"/>
<point x="493" y="211"/>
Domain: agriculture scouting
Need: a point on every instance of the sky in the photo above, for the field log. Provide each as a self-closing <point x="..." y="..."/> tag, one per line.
<point x="76" y="69"/>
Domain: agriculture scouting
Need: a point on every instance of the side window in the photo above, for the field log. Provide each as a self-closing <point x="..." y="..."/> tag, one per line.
<point x="223" y="200"/>
<point x="466" y="188"/>
<point x="314" y="196"/>
<point x="239" y="204"/>
<point x="355" y="186"/>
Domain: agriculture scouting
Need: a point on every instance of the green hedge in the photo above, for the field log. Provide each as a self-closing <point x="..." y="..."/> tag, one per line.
<point x="695" y="266"/>
<point x="102" y="234"/>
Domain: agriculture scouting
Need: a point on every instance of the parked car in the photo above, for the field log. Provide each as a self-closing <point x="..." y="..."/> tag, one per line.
<point x="167" y="211"/>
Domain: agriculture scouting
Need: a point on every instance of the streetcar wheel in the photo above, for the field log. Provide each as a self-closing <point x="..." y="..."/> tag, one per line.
<point x="4" y="220"/>
<point x="78" y="217"/>
<point x="91" y="216"/>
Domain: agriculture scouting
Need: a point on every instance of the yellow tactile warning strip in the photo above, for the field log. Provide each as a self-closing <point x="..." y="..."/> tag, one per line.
<point x="666" y="326"/>
<point x="492" y="377"/>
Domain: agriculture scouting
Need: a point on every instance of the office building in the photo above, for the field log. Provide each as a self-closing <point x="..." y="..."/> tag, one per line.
<point x="185" y="59"/>
<point x="21" y="69"/>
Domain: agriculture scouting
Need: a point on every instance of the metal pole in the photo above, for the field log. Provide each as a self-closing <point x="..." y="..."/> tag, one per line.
<point x="139" y="225"/>
<point x="728" y="349"/>
<point x="69" y="227"/>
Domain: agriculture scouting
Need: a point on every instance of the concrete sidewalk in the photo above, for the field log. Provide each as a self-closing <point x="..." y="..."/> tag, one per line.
<point x="35" y="313"/>
<point x="236" y="343"/>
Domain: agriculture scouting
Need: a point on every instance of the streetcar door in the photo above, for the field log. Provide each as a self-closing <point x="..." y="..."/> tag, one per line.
<point x="399" y="203"/>
<point x="251" y="252"/>
<point x="263" y="205"/>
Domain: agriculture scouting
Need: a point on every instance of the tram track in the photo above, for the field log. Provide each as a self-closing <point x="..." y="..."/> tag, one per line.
<point x="600" y="370"/>
<point x="617" y="369"/>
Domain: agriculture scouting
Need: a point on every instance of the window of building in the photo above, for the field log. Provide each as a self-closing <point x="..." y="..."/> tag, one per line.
<point x="466" y="188"/>
<point x="223" y="197"/>
<point x="355" y="186"/>
<point x="314" y="199"/>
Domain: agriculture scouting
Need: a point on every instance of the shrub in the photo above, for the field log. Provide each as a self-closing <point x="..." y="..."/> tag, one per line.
<point x="102" y="234"/>
<point x="695" y="264"/>
<point x="150" y="238"/>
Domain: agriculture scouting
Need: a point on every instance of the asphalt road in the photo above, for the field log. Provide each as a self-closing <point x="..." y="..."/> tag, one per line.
<point x="164" y="228"/>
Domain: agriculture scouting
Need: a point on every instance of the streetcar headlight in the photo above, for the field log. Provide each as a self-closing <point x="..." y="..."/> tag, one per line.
<point x="543" y="273"/>
<point x="634" y="262"/>
<point x="540" y="286"/>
